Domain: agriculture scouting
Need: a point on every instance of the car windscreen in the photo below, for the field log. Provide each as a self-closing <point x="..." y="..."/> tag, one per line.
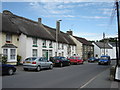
<point x="105" y="58"/>
<point x="30" y="59"/>
<point x="72" y="58"/>
<point x="63" y="58"/>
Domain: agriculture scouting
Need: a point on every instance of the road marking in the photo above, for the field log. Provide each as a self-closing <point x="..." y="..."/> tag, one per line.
<point x="91" y="80"/>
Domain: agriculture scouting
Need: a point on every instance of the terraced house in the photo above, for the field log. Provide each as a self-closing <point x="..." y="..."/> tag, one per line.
<point x="27" y="38"/>
<point x="84" y="48"/>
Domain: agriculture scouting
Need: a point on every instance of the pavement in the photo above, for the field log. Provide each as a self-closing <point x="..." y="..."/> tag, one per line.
<point x="117" y="74"/>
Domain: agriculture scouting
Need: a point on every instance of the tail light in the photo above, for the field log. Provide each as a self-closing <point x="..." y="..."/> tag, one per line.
<point x="23" y="61"/>
<point x="57" y="60"/>
<point x="33" y="62"/>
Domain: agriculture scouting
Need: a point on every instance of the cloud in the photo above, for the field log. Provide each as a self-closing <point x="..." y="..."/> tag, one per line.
<point x="49" y="8"/>
<point x="94" y="17"/>
<point x="65" y="1"/>
<point x="88" y="35"/>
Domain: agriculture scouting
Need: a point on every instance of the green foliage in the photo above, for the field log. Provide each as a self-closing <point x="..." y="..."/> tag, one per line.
<point x="18" y="59"/>
<point x="3" y="59"/>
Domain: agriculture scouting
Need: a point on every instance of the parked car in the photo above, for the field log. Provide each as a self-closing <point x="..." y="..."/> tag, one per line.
<point x="8" y="69"/>
<point x="60" y="61"/>
<point x="92" y="59"/>
<point x="104" y="60"/>
<point x="76" y="60"/>
<point x="37" y="63"/>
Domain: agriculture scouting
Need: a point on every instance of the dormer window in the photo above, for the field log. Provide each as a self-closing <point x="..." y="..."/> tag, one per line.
<point x="8" y="38"/>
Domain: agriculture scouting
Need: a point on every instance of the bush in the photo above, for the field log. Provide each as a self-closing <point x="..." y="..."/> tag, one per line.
<point x="3" y="59"/>
<point x="18" y="59"/>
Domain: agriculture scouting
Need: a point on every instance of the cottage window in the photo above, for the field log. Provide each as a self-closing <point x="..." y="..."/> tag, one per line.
<point x="50" y="44"/>
<point x="34" y="51"/>
<point x="58" y="45"/>
<point x="34" y="41"/>
<point x="12" y="53"/>
<point x="8" y="38"/>
<point x="44" y="43"/>
<point x="62" y="46"/>
<point x="5" y="52"/>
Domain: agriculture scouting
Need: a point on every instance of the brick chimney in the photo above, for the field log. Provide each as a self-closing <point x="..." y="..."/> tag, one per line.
<point x="70" y="32"/>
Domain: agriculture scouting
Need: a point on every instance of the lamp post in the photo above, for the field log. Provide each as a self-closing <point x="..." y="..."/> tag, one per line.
<point x="57" y="34"/>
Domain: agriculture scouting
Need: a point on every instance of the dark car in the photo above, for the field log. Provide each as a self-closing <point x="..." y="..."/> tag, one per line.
<point x="8" y="69"/>
<point x="60" y="61"/>
<point x="92" y="59"/>
<point x="104" y="60"/>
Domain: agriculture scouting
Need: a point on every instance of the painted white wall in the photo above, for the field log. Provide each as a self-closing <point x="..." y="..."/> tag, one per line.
<point x="97" y="50"/>
<point x="78" y="47"/>
<point x="100" y="52"/>
<point x="0" y="43"/>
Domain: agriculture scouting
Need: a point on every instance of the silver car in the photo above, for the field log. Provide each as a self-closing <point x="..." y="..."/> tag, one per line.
<point x="37" y="63"/>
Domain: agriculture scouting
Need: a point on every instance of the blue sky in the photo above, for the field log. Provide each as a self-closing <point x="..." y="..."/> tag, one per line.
<point x="86" y="19"/>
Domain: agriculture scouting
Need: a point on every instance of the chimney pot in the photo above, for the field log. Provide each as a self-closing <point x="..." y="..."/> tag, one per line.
<point x="70" y="32"/>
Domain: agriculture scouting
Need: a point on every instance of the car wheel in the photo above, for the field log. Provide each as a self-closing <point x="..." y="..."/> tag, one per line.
<point x="61" y="65"/>
<point x="51" y="66"/>
<point x="25" y="69"/>
<point x="38" y="68"/>
<point x="69" y="64"/>
<point x="10" y="71"/>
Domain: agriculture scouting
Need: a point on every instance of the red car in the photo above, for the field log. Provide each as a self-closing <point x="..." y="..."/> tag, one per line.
<point x="76" y="60"/>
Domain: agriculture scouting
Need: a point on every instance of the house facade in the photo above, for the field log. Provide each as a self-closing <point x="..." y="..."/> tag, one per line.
<point x="28" y="38"/>
<point x="84" y="48"/>
<point x="113" y="45"/>
<point x="102" y="49"/>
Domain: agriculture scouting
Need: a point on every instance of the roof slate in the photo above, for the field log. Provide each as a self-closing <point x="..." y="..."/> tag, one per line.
<point x="9" y="46"/>
<point x="101" y="45"/>
<point x="83" y="40"/>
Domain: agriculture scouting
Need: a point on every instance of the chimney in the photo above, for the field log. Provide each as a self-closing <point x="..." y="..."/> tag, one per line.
<point x="7" y="12"/>
<point x="39" y="20"/>
<point x="70" y="32"/>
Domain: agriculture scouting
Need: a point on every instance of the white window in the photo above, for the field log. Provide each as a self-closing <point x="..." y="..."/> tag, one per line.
<point x="34" y="41"/>
<point x="34" y="52"/>
<point x="62" y="46"/>
<point x="5" y="52"/>
<point x="44" y="43"/>
<point x="8" y="38"/>
<point x="12" y="53"/>
<point x="50" y="44"/>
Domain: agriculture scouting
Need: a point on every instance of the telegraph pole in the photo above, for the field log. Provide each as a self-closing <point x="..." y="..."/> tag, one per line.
<point x="118" y="21"/>
<point x="104" y="42"/>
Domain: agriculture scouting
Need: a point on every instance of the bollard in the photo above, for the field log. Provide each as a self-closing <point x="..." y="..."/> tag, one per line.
<point x="112" y="73"/>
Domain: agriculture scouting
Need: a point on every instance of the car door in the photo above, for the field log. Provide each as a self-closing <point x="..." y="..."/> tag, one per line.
<point x="41" y="62"/>
<point x="47" y="64"/>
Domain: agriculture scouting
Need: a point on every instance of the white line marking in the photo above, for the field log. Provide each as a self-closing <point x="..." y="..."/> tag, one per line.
<point x="92" y="79"/>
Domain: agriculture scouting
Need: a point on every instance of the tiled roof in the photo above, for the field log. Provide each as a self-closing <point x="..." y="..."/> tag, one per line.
<point x="83" y="40"/>
<point x="9" y="46"/>
<point x="102" y="45"/>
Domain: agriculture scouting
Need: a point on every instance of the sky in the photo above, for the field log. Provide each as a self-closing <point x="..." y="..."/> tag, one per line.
<point x="86" y="19"/>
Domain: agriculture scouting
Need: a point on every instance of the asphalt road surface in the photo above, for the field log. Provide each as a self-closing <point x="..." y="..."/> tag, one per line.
<point x="88" y="75"/>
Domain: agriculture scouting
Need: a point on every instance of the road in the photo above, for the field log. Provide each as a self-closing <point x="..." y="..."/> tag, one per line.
<point x="88" y="75"/>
